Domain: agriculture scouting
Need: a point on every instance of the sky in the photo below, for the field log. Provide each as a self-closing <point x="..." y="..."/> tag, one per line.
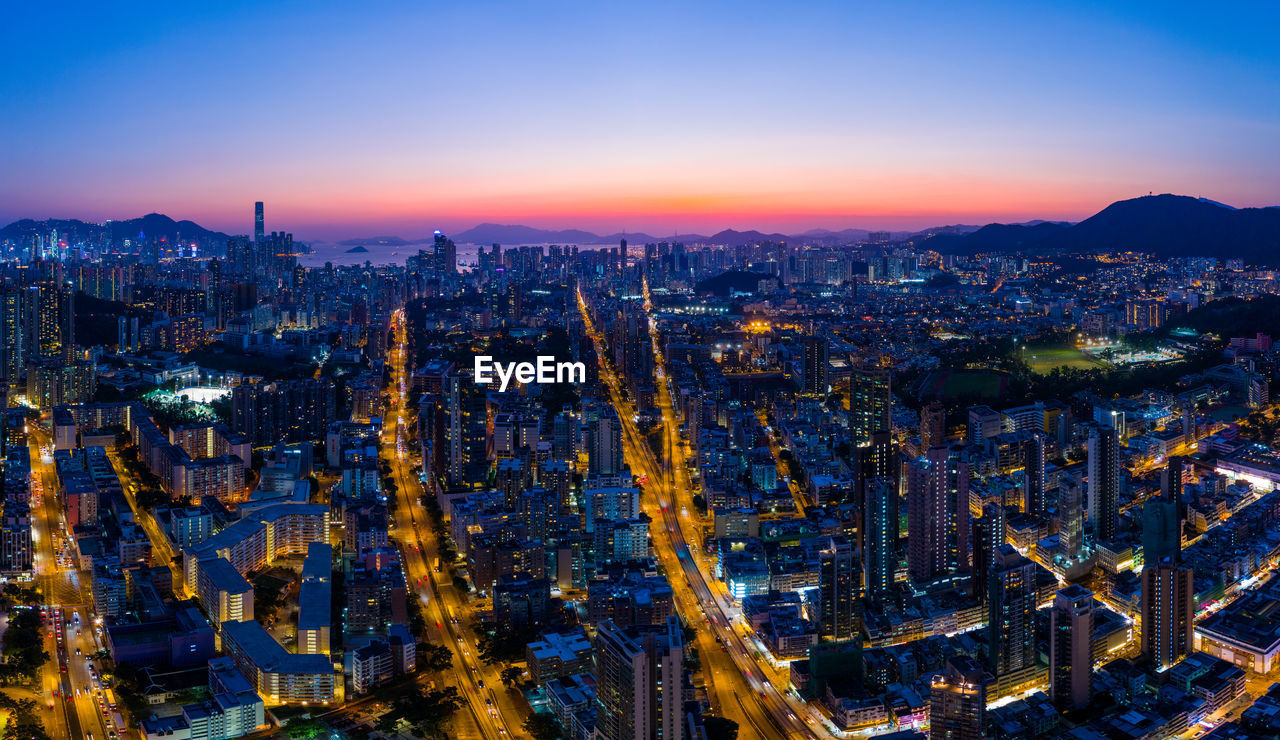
<point x="371" y="118"/>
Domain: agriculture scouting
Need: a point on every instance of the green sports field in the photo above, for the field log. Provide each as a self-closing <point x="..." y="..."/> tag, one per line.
<point x="1044" y="359"/>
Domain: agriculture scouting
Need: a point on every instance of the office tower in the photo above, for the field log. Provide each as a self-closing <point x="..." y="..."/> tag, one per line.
<point x="880" y="540"/>
<point x="958" y="701"/>
<point x="1168" y="608"/>
<point x="938" y="519"/>
<point x="1104" y="482"/>
<point x="1071" y="517"/>
<point x="1033" y="480"/>
<point x="816" y="368"/>
<point x="988" y="536"/>
<point x="11" y="335"/>
<point x="259" y="224"/>
<point x="604" y="443"/>
<point x="837" y="585"/>
<point x="933" y="425"/>
<point x="639" y="676"/>
<point x="1011" y="612"/>
<point x="446" y="254"/>
<point x="869" y="401"/>
<point x="1071" y="646"/>
<point x="622" y="254"/>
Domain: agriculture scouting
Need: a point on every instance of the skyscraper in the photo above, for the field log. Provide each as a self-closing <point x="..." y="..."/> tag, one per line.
<point x="1104" y="482"/>
<point x="1168" y="608"/>
<point x="1033" y="481"/>
<point x="816" y="365"/>
<point x="958" y="701"/>
<point x="1071" y="646"/>
<point x="837" y="586"/>
<point x="11" y="335"/>
<point x="445" y="254"/>
<point x="1161" y="531"/>
<point x="938" y="519"/>
<point x="988" y="536"/>
<point x="1172" y="480"/>
<point x="869" y="401"/>
<point x="604" y="442"/>
<point x="933" y="425"/>
<point x="259" y="224"/>
<point x="1011" y="612"/>
<point x="880" y="540"/>
<point x="1071" y="511"/>
<point x="639" y="674"/>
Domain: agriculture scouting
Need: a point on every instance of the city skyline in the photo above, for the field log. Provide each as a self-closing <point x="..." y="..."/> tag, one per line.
<point x="693" y="120"/>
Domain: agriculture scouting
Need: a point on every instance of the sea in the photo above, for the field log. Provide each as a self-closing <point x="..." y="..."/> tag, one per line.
<point x="384" y="254"/>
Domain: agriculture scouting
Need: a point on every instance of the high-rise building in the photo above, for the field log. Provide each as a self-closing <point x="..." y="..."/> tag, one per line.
<point x="1161" y="531"/>
<point x="1071" y="513"/>
<point x="11" y="340"/>
<point x="838" y="589"/>
<point x="1033" y="480"/>
<point x="958" y="700"/>
<point x="1168" y="610"/>
<point x="933" y="425"/>
<point x="880" y="539"/>
<point x="1071" y="646"/>
<point x="817" y="365"/>
<point x="1172" y="480"/>
<point x="938" y="519"/>
<point x="259" y="224"/>
<point x="1104" y="482"/>
<point x="639" y="674"/>
<point x="988" y="536"/>
<point x="446" y="254"/>
<point x="604" y="442"/>
<point x="870" y="402"/>
<point x="1011" y="612"/>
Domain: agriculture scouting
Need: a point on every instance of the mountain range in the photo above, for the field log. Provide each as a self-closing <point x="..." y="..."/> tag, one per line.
<point x="152" y="226"/>
<point x="1164" y="225"/>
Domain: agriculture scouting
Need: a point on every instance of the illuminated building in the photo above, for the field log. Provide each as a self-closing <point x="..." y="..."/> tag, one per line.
<point x="958" y="701"/>
<point x="1071" y="646"/>
<point x="838" y="590"/>
<point x="1168" y="608"/>
<point x="639" y="675"/>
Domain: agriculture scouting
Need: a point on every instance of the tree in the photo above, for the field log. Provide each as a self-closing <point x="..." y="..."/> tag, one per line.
<point x="434" y="657"/>
<point x="304" y="728"/>
<point x="719" y="728"/>
<point x="425" y="711"/>
<point x="510" y="675"/>
<point x="543" y="727"/>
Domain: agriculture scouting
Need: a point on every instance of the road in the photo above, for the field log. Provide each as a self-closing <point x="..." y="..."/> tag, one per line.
<point x="493" y="712"/>
<point x="739" y="684"/>
<point x="69" y="620"/>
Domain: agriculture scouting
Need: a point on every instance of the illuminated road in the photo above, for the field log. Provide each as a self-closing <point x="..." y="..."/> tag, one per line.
<point x="740" y="686"/>
<point x="75" y="712"/>
<point x="493" y="712"/>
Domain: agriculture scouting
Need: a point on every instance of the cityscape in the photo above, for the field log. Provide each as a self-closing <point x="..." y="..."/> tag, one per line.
<point x="674" y="396"/>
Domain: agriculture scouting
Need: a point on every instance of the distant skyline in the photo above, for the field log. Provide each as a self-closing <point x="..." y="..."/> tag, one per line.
<point x="397" y="118"/>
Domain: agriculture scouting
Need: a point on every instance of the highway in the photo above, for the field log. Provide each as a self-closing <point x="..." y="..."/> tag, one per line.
<point x="492" y="711"/>
<point x="738" y="680"/>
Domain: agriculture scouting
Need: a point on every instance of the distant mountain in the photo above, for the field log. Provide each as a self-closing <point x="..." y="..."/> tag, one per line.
<point x="153" y="226"/>
<point x="509" y="234"/>
<point x="1164" y="225"/>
